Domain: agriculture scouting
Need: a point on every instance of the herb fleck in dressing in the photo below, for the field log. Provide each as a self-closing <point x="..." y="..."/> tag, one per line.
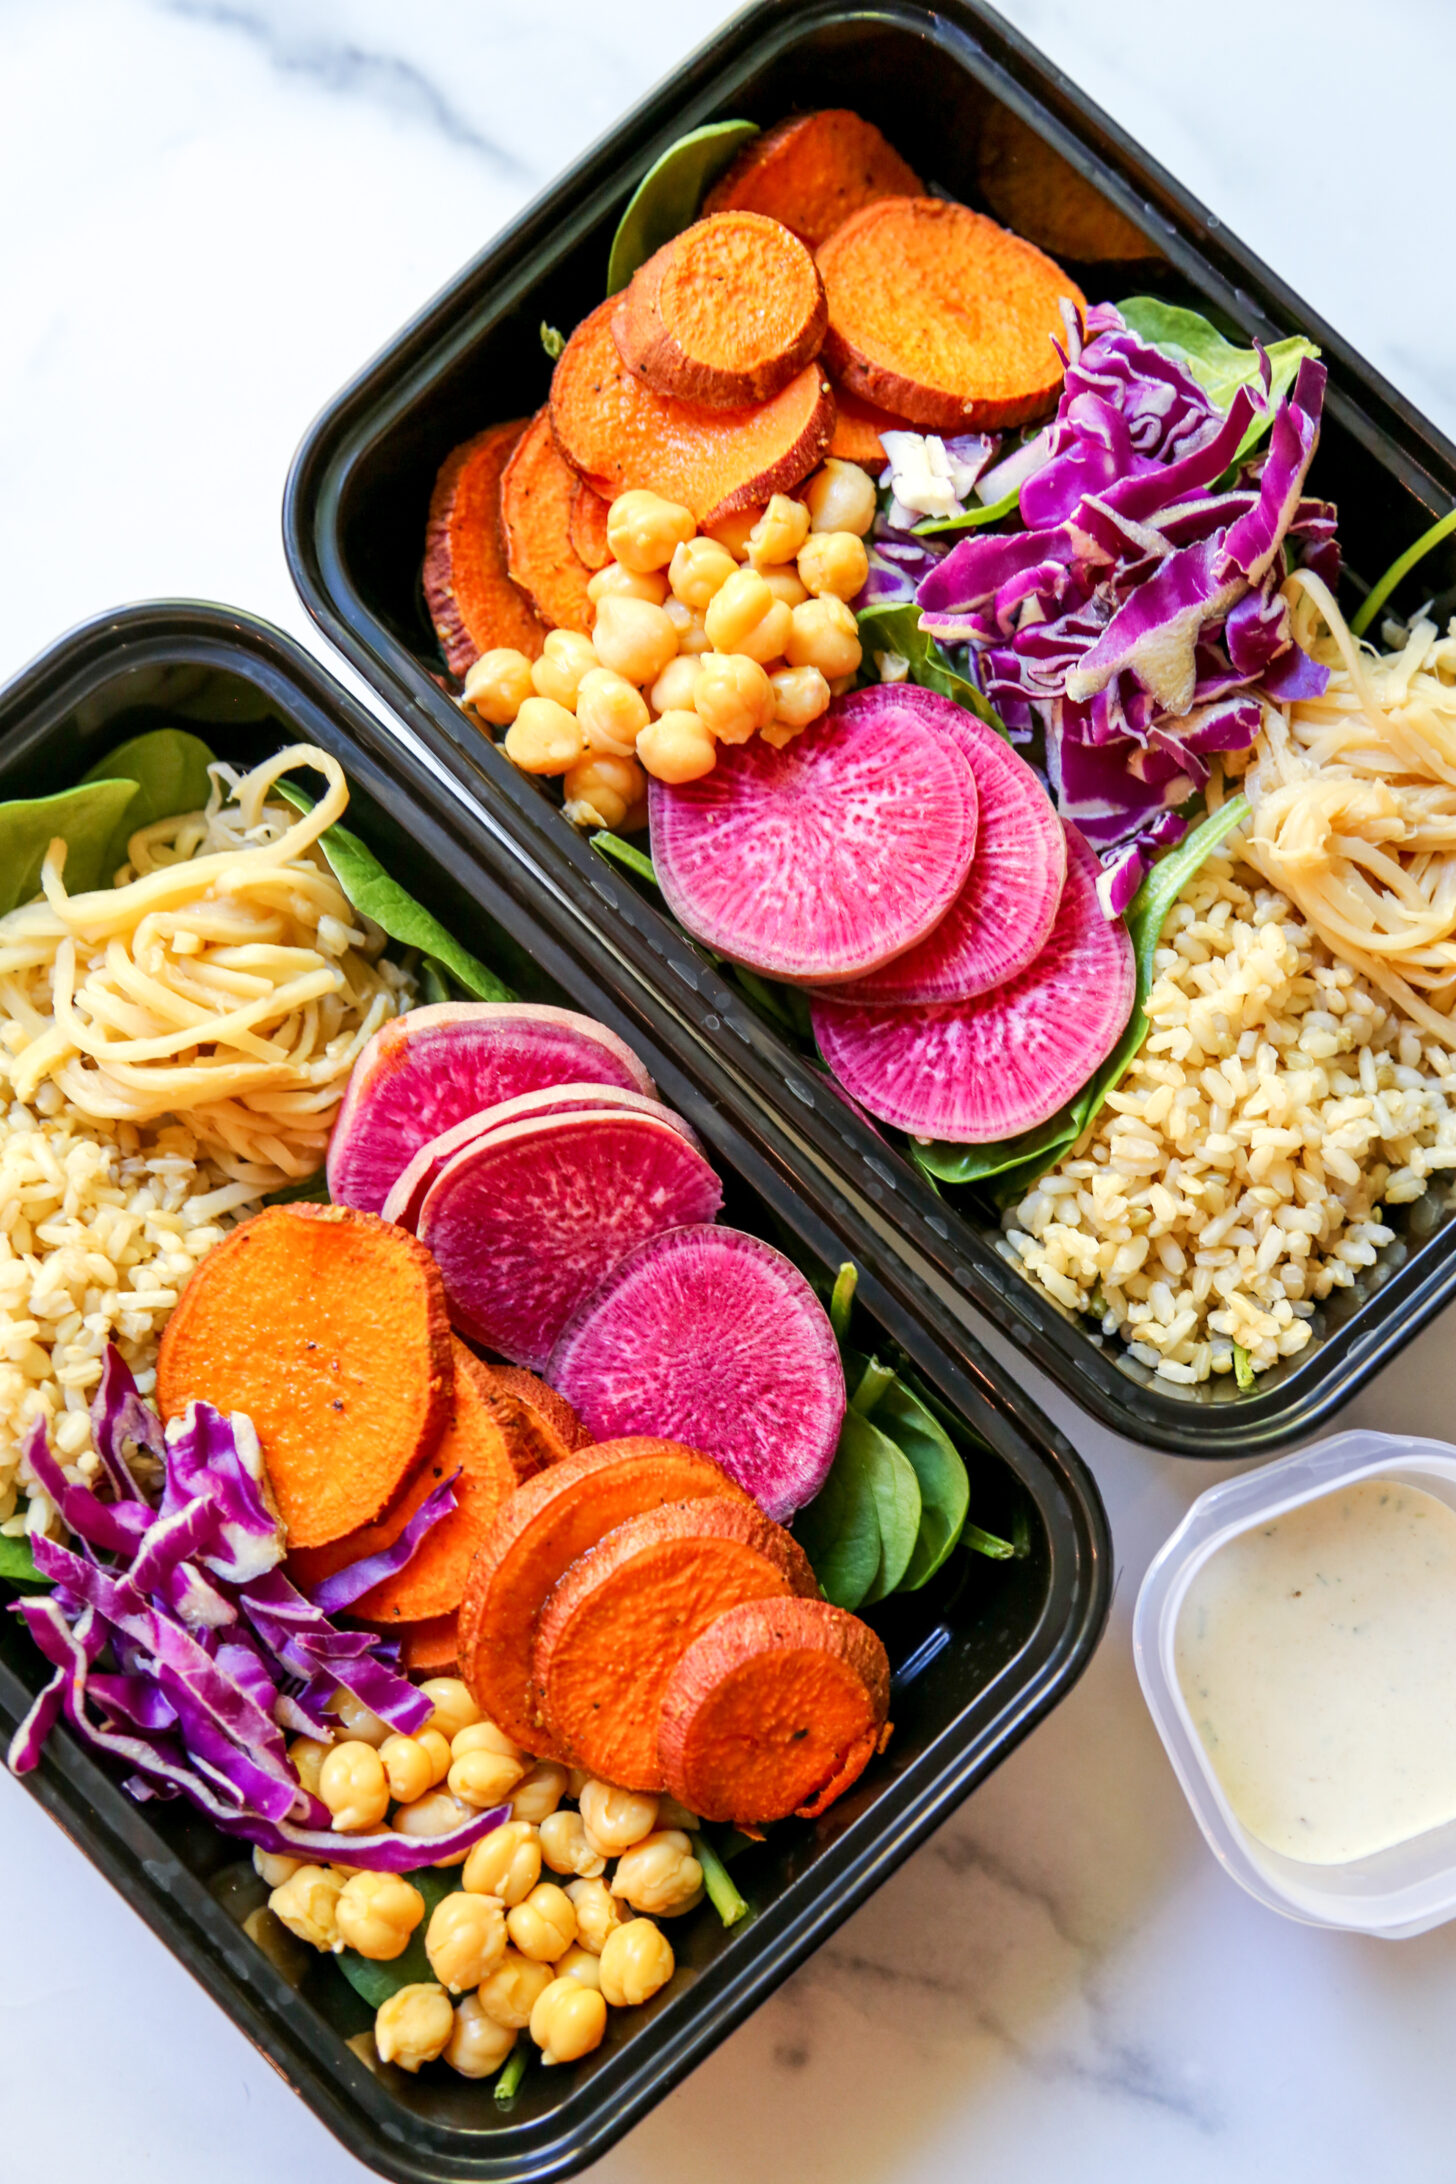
<point x="1317" y="1657"/>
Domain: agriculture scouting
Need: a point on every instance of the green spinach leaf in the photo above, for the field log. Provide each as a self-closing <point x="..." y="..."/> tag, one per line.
<point x="896" y="1492"/>
<point x="667" y="198"/>
<point x="895" y="627"/>
<point x="971" y="519"/>
<point x="945" y="1488"/>
<point x="88" y="819"/>
<point x="313" y="1188"/>
<point x="17" y="1566"/>
<point x="376" y="1981"/>
<point x="625" y="853"/>
<point x="371" y="890"/>
<point x="169" y="767"/>
<point x="840" y="1528"/>
<point x="1218" y="365"/>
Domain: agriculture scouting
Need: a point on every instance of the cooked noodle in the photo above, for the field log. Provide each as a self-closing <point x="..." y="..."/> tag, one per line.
<point x="226" y="979"/>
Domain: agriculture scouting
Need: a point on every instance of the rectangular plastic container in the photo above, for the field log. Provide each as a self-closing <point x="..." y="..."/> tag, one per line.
<point x="1404" y="1890"/>
<point x="979" y="1656"/>
<point x="354" y="525"/>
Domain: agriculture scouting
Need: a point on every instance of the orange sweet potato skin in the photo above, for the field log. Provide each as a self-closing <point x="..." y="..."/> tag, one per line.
<point x="473" y="604"/>
<point x="725" y="314"/>
<point x="329" y="1328"/>
<point x="812" y="171"/>
<point x="622" y="1616"/>
<point x="620" y="436"/>
<point x="857" y="428"/>
<point x="588" y="526"/>
<point x="941" y="316"/>
<point x="536" y="1537"/>
<point x="537" y="490"/>
<point x="564" y="1430"/>
<point x="776" y="1708"/>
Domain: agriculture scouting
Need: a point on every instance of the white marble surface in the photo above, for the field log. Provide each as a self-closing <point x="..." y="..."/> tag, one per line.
<point x="213" y="210"/>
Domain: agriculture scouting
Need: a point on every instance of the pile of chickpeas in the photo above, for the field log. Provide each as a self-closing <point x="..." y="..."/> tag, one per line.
<point x="510" y="1952"/>
<point x="697" y="639"/>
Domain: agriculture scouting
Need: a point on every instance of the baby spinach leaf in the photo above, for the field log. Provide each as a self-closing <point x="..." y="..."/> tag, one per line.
<point x="945" y="1488"/>
<point x="314" y="1188"/>
<point x="895" y="627"/>
<point x="971" y="519"/>
<point x="1218" y="365"/>
<point x="840" y="1529"/>
<point x="667" y="198"/>
<point x="376" y="1981"/>
<point x="897" y="1499"/>
<point x="169" y="767"/>
<point x="626" y="853"/>
<point x="88" y="819"/>
<point x="17" y="1566"/>
<point x="434" y="987"/>
<point x="371" y="890"/>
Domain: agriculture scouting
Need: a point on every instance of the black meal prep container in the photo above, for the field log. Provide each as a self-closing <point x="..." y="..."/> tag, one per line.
<point x="979" y="1656"/>
<point x="354" y="525"/>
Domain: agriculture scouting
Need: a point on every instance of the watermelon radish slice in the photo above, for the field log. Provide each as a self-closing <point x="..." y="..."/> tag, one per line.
<point x="407" y="1192"/>
<point x="823" y="860"/>
<point x="524" y="1222"/>
<point x="1001" y="918"/>
<point x="711" y="1337"/>
<point x="421" y="1074"/>
<point x="971" y="1072"/>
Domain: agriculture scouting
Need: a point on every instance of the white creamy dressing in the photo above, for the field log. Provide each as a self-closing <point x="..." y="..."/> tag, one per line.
<point x="1317" y="1657"/>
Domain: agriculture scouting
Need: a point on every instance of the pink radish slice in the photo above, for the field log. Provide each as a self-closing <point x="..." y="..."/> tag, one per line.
<point x="421" y="1074"/>
<point x="823" y="860"/>
<point x="524" y="1222"/>
<point x="407" y="1192"/>
<point x="971" y="1072"/>
<point x="711" y="1337"/>
<point x="1000" y="920"/>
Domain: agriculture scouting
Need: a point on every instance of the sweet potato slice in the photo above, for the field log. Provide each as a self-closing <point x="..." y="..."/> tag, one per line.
<point x="431" y="1648"/>
<point x="620" y="435"/>
<point x="472" y="601"/>
<point x="588" y="526"/>
<point x="857" y="428"/>
<point x="537" y="491"/>
<point x="329" y="1328"/>
<point x="941" y="316"/>
<point x="726" y="313"/>
<point x="812" y="171"/>
<point x="1039" y="195"/>
<point x="622" y="1617"/>
<point x="777" y="1708"/>
<point x="309" y="1566"/>
<point x="555" y="1413"/>
<point x="432" y="1582"/>
<point x="539" y="1533"/>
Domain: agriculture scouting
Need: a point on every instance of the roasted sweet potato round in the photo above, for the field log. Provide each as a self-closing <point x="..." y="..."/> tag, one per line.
<point x="473" y="603"/>
<point x="726" y="313"/>
<point x="812" y="171"/>
<point x="537" y="494"/>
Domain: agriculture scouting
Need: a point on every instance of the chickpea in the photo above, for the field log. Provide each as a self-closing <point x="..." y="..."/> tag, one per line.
<point x="478" y="2046"/>
<point x="506" y="1863"/>
<point x="841" y="497"/>
<point x="825" y="635"/>
<point x="544" y="738"/>
<point x="643" y="529"/>
<point x="543" y="1926"/>
<point x="465" y="1939"/>
<point x="542" y="1790"/>
<point x="565" y="1848"/>
<point x="734" y="696"/>
<point x="497" y="685"/>
<point x="616" y="1819"/>
<point x="580" y="1963"/>
<point x="483" y="1736"/>
<point x="833" y="564"/>
<point x="700" y="568"/>
<point x="615" y="582"/>
<point x="609" y="712"/>
<point x="691" y="627"/>
<point x="600" y="792"/>
<point x="786" y="586"/>
<point x="436" y="1813"/>
<point x="353" y="1784"/>
<point x="357" y="1721"/>
<point x="377" y="1913"/>
<point x="565" y="658"/>
<point x="800" y="695"/>
<point x="673" y="690"/>
<point x="636" y="1961"/>
<point x="677" y="747"/>
<point x="411" y="1764"/>
<point x="598" y="1913"/>
<point x="454" y="1705"/>
<point x="508" y="1994"/>
<point x="273" y="1868"/>
<point x="634" y="638"/>
<point x="414" y="2026"/>
<point x="733" y="531"/>
<point x="568" y="2021"/>
<point x="779" y="532"/>
<point x="660" y="1874"/>
<point x="483" y="1778"/>
<point x="307" y="1903"/>
<point x="307" y="1756"/>
<point x="746" y="617"/>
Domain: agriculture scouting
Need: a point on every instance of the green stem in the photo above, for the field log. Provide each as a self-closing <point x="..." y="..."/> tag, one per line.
<point x="1021" y="1533"/>
<point x="722" y="1893"/>
<point x="986" y="1543"/>
<point x="1375" y="599"/>
<point x="873" y="1382"/>
<point x="846" y="1281"/>
<point x="511" y="2072"/>
<point x="626" y="853"/>
<point x="1244" y="1373"/>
